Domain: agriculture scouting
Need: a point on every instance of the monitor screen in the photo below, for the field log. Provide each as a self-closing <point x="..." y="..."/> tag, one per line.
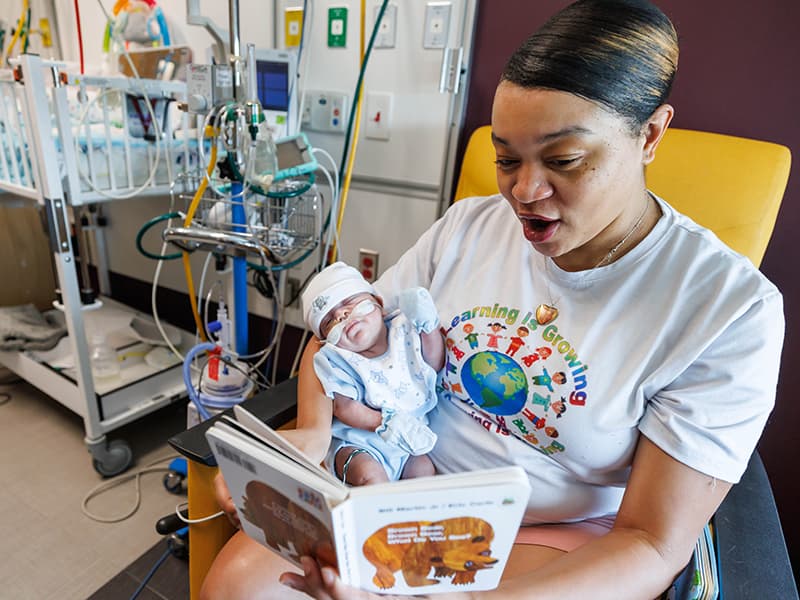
<point x="273" y="84"/>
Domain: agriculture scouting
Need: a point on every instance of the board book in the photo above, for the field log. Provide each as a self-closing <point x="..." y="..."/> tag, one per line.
<point x="425" y="535"/>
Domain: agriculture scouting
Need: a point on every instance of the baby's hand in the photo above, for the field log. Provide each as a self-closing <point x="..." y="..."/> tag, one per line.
<point x="418" y="306"/>
<point x="406" y="432"/>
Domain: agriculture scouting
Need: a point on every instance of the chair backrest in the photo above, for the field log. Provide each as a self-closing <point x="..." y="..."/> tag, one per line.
<point x="731" y="185"/>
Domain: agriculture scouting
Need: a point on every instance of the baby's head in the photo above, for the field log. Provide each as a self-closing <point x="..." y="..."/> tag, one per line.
<point x="341" y="307"/>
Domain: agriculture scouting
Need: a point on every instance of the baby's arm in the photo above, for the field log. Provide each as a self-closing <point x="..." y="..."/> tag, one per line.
<point x="355" y="414"/>
<point x="418" y="306"/>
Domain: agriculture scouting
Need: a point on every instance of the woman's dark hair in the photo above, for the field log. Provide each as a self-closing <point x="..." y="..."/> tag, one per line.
<point x="622" y="54"/>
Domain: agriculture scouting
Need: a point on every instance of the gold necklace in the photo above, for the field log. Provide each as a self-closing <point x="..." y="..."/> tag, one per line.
<point x="545" y="313"/>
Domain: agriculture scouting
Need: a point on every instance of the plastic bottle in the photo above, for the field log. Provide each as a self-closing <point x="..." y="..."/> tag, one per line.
<point x="264" y="162"/>
<point x="103" y="358"/>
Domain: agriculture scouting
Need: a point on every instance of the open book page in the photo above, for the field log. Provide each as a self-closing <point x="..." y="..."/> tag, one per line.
<point x="281" y="504"/>
<point x="258" y="428"/>
<point x="414" y="536"/>
<point x="435" y="534"/>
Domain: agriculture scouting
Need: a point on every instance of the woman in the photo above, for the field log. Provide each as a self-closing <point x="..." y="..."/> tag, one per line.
<point x="668" y="342"/>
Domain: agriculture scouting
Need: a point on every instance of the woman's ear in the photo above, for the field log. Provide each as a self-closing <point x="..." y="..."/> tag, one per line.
<point x="654" y="130"/>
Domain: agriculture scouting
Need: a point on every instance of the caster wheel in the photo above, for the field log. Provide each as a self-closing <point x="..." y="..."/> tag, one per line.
<point x="173" y="482"/>
<point x="113" y="460"/>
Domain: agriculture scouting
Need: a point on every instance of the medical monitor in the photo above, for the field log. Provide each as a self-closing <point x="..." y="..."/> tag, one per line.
<point x="276" y="84"/>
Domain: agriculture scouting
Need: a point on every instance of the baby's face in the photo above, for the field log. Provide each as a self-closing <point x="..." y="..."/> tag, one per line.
<point x="355" y="324"/>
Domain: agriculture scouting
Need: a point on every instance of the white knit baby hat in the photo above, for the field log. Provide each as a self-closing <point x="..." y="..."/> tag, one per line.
<point x="327" y="289"/>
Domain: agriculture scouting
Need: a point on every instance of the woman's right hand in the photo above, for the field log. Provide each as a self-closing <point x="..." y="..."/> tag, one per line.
<point x="223" y="497"/>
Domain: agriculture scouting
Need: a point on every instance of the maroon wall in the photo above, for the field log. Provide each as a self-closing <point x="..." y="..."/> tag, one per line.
<point x="737" y="75"/>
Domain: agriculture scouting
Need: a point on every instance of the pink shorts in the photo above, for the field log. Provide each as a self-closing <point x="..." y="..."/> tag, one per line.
<point x="565" y="536"/>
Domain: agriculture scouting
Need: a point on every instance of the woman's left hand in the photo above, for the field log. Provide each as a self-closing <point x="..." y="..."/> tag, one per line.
<point x="324" y="584"/>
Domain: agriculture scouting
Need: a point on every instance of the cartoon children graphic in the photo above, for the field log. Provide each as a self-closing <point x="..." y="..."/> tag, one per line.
<point x="471" y="336"/>
<point x="517" y="341"/>
<point x="540" y="354"/>
<point x="559" y="407"/>
<point x="546" y="380"/>
<point x="495" y="335"/>
<point x="451" y="346"/>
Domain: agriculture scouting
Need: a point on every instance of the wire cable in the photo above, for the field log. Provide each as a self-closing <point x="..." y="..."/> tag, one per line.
<point x="183" y="505"/>
<point x="151" y="572"/>
<point x="112" y="483"/>
<point x="18" y="30"/>
<point x="349" y="163"/>
<point x="146" y="227"/>
<point x="80" y="34"/>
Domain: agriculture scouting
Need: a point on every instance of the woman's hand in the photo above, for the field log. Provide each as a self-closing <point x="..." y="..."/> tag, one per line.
<point x="223" y="497"/>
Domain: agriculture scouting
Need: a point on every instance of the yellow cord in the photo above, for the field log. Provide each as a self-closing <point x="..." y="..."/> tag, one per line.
<point x="212" y="164"/>
<point x="352" y="158"/>
<point x="187" y="265"/>
<point x="20" y="23"/>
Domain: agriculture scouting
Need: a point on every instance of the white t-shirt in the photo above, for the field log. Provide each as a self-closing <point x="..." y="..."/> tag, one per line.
<point x="679" y="339"/>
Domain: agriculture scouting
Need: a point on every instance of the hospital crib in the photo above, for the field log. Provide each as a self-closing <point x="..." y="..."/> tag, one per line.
<point x="68" y="141"/>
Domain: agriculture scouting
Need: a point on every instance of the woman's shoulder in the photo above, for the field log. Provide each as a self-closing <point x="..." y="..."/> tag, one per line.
<point x="701" y="253"/>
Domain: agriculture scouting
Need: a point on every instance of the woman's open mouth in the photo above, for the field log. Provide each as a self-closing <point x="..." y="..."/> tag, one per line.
<point x="537" y="230"/>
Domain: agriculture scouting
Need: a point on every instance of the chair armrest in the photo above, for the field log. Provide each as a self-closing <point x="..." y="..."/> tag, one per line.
<point x="276" y="406"/>
<point x="753" y="560"/>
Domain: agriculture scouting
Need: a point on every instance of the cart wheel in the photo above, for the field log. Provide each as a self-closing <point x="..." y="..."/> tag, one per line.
<point x="173" y="482"/>
<point x="114" y="460"/>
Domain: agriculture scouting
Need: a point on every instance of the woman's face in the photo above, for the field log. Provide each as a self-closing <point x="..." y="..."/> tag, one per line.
<point x="571" y="170"/>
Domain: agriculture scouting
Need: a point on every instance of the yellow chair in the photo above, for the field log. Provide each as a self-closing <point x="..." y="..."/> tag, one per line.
<point x="731" y="185"/>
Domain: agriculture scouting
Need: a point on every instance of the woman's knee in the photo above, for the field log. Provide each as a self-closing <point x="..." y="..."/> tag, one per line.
<point x="246" y="570"/>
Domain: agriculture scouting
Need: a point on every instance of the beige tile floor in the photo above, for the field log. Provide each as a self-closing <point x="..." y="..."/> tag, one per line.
<point x="49" y="548"/>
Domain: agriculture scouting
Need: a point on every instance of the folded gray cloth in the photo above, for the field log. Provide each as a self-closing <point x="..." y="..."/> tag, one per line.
<point x="25" y="328"/>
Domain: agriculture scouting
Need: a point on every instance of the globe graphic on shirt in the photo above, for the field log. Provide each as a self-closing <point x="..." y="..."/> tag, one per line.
<point x="495" y="383"/>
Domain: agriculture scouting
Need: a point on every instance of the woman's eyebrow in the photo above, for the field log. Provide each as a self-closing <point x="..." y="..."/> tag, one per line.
<point x="549" y="137"/>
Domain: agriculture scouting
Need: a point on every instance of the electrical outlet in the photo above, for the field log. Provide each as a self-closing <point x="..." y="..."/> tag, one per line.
<point x="368" y="264"/>
<point x="293" y="27"/>
<point x="437" y="24"/>
<point x="378" y="125"/>
<point x="337" y="27"/>
<point x="387" y="32"/>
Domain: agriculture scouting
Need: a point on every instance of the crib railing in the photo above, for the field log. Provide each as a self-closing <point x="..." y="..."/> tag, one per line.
<point x="17" y="174"/>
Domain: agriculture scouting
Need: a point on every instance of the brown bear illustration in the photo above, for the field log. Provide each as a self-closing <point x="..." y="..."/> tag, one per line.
<point x="456" y="548"/>
<point x="286" y="524"/>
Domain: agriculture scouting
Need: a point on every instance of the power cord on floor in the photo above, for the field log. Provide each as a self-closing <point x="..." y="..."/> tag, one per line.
<point x="112" y="483"/>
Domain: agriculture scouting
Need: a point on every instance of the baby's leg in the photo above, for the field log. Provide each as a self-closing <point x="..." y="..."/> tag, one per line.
<point x="357" y="467"/>
<point x="418" y="466"/>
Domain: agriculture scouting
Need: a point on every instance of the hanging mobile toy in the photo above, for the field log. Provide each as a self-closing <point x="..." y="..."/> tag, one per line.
<point x="137" y="21"/>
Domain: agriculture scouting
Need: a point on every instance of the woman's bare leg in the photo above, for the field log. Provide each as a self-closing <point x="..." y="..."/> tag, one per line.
<point x="246" y="570"/>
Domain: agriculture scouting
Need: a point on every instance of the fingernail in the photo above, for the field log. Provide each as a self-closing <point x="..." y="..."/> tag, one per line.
<point x="288" y="583"/>
<point x="328" y="576"/>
